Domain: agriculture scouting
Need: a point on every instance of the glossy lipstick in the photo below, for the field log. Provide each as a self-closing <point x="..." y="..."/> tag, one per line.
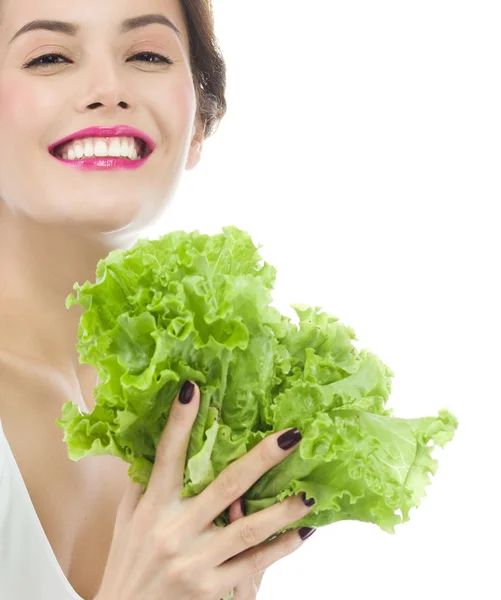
<point x="105" y="162"/>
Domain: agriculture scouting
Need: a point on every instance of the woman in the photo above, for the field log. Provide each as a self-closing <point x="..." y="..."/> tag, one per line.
<point x="144" y="81"/>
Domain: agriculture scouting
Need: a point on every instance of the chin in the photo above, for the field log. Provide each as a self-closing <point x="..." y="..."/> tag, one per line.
<point x="106" y="213"/>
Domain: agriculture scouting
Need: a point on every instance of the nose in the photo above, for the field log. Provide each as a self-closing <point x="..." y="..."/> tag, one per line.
<point x="105" y="91"/>
<point x="95" y="105"/>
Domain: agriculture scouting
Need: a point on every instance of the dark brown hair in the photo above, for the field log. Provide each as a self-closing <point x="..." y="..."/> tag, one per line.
<point x="207" y="63"/>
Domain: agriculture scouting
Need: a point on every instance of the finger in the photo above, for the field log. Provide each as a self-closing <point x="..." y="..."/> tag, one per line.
<point x="236" y="510"/>
<point x="248" y="589"/>
<point x="255" y="529"/>
<point x="166" y="481"/>
<point x="245" y="590"/>
<point x="258" y="559"/>
<point x="258" y="580"/>
<point x="238" y="477"/>
<point x="129" y="502"/>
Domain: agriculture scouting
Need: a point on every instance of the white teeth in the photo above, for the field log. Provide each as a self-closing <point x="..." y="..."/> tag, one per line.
<point x="78" y="148"/>
<point x="115" y="147"/>
<point x="101" y="148"/>
<point x="88" y="148"/>
<point x="124" y="150"/>
<point x="120" y="147"/>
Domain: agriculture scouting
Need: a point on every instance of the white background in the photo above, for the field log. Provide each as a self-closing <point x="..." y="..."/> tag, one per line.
<point x="362" y="148"/>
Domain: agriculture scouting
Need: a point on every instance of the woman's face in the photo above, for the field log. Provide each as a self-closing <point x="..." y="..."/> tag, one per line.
<point x="100" y="82"/>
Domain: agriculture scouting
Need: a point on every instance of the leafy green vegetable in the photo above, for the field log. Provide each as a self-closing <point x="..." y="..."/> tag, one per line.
<point x="193" y="306"/>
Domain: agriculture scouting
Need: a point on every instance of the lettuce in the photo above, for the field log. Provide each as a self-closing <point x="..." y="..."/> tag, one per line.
<point x="193" y="306"/>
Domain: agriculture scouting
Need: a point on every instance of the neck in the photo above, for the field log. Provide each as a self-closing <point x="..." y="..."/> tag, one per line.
<point x="39" y="265"/>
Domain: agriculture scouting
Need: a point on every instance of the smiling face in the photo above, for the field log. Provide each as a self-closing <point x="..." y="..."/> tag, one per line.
<point x="113" y="73"/>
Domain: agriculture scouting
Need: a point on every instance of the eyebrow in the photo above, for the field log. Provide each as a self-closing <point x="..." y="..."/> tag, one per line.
<point x="72" y="29"/>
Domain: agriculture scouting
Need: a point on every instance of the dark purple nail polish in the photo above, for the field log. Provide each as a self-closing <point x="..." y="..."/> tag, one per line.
<point x="289" y="439"/>
<point x="305" y="532"/>
<point x="187" y="392"/>
<point x="309" y="502"/>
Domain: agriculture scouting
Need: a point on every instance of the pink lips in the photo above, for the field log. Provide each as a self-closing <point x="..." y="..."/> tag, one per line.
<point x="103" y="163"/>
<point x="106" y="162"/>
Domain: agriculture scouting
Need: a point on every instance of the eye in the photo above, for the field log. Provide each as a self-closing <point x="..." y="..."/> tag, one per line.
<point x="150" y="55"/>
<point x="36" y="61"/>
<point x="47" y="59"/>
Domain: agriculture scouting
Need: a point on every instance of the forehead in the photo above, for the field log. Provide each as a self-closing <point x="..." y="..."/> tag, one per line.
<point x="92" y="16"/>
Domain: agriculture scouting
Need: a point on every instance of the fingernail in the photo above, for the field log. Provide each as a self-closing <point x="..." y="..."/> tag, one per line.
<point x="289" y="439"/>
<point x="242" y="504"/>
<point x="187" y="392"/>
<point x="305" y="532"/>
<point x="309" y="502"/>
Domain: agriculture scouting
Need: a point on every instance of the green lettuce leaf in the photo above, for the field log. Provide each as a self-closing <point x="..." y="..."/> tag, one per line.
<point x="194" y="306"/>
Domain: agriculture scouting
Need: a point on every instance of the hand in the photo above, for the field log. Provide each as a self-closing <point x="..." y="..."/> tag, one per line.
<point x="166" y="547"/>
<point x="248" y="589"/>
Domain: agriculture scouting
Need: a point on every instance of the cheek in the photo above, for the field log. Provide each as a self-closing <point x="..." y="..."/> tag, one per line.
<point x="24" y="109"/>
<point x="187" y="100"/>
<point x="26" y="115"/>
<point x="178" y="104"/>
